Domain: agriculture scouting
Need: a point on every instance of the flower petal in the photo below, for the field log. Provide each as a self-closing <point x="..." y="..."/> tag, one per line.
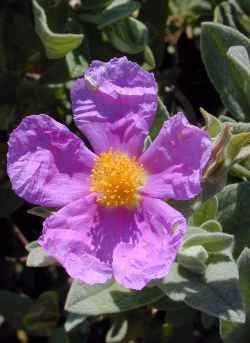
<point x="159" y="232"/>
<point x="176" y="159"/>
<point x="114" y="105"/>
<point x="82" y="237"/>
<point x="47" y="164"/>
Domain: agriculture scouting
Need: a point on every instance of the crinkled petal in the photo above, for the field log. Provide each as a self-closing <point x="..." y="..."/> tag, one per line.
<point x="83" y="235"/>
<point x="90" y="240"/>
<point x="176" y="159"/>
<point x="47" y="164"/>
<point x="114" y="105"/>
<point x="158" y="232"/>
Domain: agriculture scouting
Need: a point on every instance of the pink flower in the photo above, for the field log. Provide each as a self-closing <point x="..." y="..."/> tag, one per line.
<point x="112" y="218"/>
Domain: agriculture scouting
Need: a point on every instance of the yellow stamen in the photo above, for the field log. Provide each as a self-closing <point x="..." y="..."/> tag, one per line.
<point x="117" y="178"/>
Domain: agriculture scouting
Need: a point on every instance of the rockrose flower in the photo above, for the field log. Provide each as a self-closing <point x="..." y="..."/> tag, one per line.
<point x="112" y="218"/>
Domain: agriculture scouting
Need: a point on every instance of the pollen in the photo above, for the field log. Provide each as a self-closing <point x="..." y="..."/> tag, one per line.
<point x="117" y="179"/>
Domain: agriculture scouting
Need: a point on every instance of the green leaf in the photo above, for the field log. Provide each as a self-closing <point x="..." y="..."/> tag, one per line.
<point x="206" y="212"/>
<point x="118" y="331"/>
<point x="40" y="212"/>
<point x="107" y="298"/>
<point x="225" y="119"/>
<point x="240" y="171"/>
<point x="239" y="127"/>
<point x="235" y="332"/>
<point x="76" y="64"/>
<point x="222" y="70"/>
<point x="231" y="14"/>
<point x="212" y="125"/>
<point x="239" y="73"/>
<point x="234" y="214"/>
<point x="73" y="320"/>
<point x="193" y="259"/>
<point x="129" y="35"/>
<point x="193" y="230"/>
<point x="216" y="293"/>
<point x="149" y="59"/>
<point x="161" y="116"/>
<point x="13" y="307"/>
<point x="38" y="257"/>
<point x="147" y="142"/>
<point x="215" y="176"/>
<point x="71" y="67"/>
<point x="56" y="45"/>
<point x="212" y="226"/>
<point x="212" y="241"/>
<point x="236" y="143"/>
<point x="31" y="245"/>
<point x="189" y="9"/>
<point x="117" y="10"/>
<point x="43" y="315"/>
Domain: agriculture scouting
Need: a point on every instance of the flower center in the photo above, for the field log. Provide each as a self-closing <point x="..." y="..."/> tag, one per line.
<point x="117" y="178"/>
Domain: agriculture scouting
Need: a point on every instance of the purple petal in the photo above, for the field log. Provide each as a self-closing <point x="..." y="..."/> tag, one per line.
<point x="47" y="164"/>
<point x="176" y="159"/>
<point x="114" y="105"/>
<point x="89" y="240"/>
<point x="158" y="232"/>
<point x="82" y="237"/>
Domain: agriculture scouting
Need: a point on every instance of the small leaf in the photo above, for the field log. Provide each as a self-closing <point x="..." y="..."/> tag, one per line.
<point x="231" y="14"/>
<point x="239" y="127"/>
<point x="116" y="11"/>
<point x="38" y="257"/>
<point x="40" y="212"/>
<point x="216" y="293"/>
<point x="71" y="67"/>
<point x="223" y="69"/>
<point x="212" y="125"/>
<point x="118" y="331"/>
<point x="129" y="35"/>
<point x="76" y="64"/>
<point x="234" y="214"/>
<point x="73" y="320"/>
<point x="212" y="226"/>
<point x="57" y="45"/>
<point x="31" y="245"/>
<point x="107" y="298"/>
<point x="147" y="142"/>
<point x="235" y="332"/>
<point x="205" y="212"/>
<point x="240" y="171"/>
<point x="161" y="116"/>
<point x="149" y="59"/>
<point x="236" y="143"/>
<point x="215" y="176"/>
<point x="211" y="241"/>
<point x="193" y="259"/>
